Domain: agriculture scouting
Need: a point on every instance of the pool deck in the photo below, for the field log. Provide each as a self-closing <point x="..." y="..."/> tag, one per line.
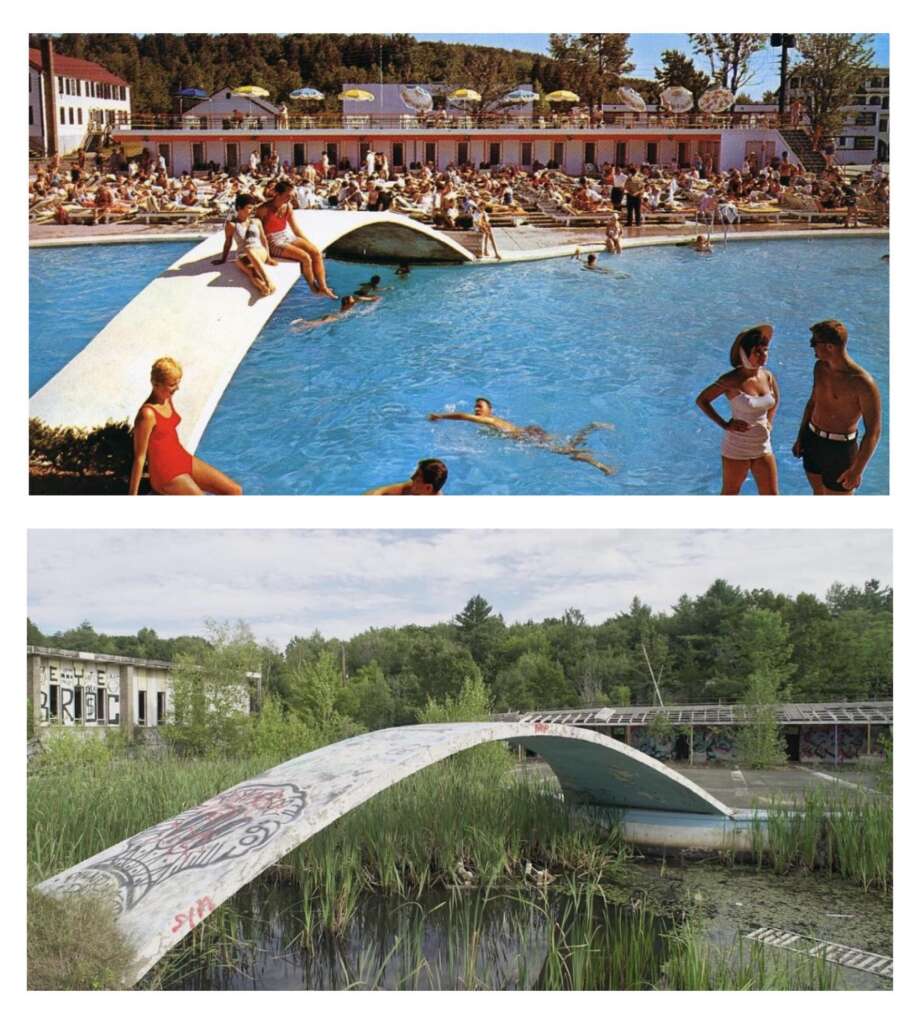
<point x="515" y="244"/>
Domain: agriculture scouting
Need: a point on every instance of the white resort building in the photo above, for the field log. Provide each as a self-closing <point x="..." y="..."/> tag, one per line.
<point x="87" y="98"/>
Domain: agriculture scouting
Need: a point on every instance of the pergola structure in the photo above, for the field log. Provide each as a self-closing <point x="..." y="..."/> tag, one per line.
<point x="843" y="713"/>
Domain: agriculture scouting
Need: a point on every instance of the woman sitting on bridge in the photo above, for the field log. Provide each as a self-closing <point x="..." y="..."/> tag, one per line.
<point x="287" y="242"/>
<point x="173" y="470"/>
<point x="252" y="247"/>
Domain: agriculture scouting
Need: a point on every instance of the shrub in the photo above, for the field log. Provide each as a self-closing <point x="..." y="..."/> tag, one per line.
<point x="74" y="943"/>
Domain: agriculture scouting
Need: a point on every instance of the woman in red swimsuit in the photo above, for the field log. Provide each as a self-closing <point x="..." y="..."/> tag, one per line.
<point x="172" y="469"/>
<point x="288" y="242"/>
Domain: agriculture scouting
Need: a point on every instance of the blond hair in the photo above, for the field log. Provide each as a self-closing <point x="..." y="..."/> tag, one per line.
<point x="165" y="370"/>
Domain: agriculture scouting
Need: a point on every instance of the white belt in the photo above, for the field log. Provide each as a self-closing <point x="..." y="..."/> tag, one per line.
<point x="832" y="437"/>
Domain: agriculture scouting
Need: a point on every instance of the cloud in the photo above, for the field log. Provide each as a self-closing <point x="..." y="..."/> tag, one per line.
<point x="341" y="582"/>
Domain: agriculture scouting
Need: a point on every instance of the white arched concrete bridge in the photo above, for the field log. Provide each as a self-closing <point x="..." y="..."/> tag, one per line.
<point x="166" y="880"/>
<point x="207" y="317"/>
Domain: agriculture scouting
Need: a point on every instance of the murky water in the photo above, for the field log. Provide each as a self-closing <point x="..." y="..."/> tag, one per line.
<point x="451" y="939"/>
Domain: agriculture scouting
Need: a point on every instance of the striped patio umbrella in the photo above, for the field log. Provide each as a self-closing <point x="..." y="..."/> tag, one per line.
<point x="631" y="98"/>
<point x="416" y="98"/>
<point x="677" y="99"/>
<point x="716" y="100"/>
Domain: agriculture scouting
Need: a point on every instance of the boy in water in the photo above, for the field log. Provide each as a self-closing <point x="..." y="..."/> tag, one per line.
<point x="427" y="481"/>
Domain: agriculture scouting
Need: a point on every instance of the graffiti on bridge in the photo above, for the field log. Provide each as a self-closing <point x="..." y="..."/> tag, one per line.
<point x="231" y="825"/>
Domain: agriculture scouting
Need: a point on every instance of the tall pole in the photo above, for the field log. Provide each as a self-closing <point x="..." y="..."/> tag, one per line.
<point x="783" y="76"/>
<point x="46" y="48"/>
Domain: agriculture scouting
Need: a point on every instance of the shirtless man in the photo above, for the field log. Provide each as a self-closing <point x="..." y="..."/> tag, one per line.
<point x="348" y="303"/>
<point x="427" y="480"/>
<point x="843" y="393"/>
<point x="482" y="414"/>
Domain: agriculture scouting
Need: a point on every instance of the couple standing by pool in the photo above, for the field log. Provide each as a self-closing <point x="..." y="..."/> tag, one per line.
<point x="843" y="394"/>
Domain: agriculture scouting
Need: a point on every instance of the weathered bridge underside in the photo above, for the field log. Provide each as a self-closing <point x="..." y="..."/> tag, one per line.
<point x="207" y="316"/>
<point x="165" y="880"/>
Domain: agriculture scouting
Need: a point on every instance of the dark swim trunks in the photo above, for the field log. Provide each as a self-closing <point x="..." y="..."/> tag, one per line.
<point x="826" y="458"/>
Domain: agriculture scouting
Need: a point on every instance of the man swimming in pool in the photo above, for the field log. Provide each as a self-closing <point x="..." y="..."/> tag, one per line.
<point x="427" y="480"/>
<point x="348" y="303"/>
<point x="843" y="393"/>
<point x="571" y="447"/>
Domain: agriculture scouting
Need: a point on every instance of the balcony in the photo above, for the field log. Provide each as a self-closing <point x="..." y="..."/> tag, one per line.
<point x="441" y="121"/>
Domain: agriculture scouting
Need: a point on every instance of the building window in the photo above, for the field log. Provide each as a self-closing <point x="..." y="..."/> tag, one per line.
<point x="884" y="124"/>
<point x="100" y="704"/>
<point x="865" y="117"/>
<point x="332" y="152"/>
<point x="842" y="142"/>
<point x="652" y="152"/>
<point x="53" y="702"/>
<point x="860" y="101"/>
<point x="589" y="156"/>
<point x="397" y="154"/>
<point x="70" y="114"/>
<point x="431" y="153"/>
<point x="885" y="103"/>
<point x="864" y="142"/>
<point x="874" y="101"/>
<point x="31" y="116"/>
<point x="495" y="154"/>
<point x="886" y="82"/>
<point x="161" y="707"/>
<point x="620" y="154"/>
<point x="300" y="154"/>
<point x="463" y="152"/>
<point x="527" y="154"/>
<point x="78" y="703"/>
<point x="60" y="85"/>
<point x="198" y="155"/>
<point x="63" y="116"/>
<point x="559" y="153"/>
<point x="142" y="707"/>
<point x="79" y="115"/>
<point x="876" y="83"/>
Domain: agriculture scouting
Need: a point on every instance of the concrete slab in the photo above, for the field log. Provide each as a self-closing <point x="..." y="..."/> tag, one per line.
<point x="164" y="881"/>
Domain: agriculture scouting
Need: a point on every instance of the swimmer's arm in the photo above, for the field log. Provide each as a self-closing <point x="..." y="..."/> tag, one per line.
<point x="807" y="414"/>
<point x="387" y="489"/>
<point x="143" y="426"/>
<point x="705" y="399"/>
<point x="871" y="411"/>
<point x="368" y="298"/>
<point x="457" y="416"/>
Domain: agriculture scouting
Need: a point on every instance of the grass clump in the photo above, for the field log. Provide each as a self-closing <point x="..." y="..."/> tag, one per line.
<point x="74" y="944"/>
<point x="849" y="835"/>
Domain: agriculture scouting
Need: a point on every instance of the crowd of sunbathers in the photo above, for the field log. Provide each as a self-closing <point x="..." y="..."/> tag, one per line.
<point x="123" y="188"/>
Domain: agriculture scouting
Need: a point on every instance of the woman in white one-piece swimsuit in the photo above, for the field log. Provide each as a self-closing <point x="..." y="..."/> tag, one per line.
<point x="753" y="399"/>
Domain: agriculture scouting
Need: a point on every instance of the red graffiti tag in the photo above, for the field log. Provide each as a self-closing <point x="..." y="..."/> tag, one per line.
<point x="196" y="913"/>
<point x="541" y="727"/>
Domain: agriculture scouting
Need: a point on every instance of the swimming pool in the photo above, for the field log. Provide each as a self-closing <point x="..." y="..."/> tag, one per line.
<point x="342" y="407"/>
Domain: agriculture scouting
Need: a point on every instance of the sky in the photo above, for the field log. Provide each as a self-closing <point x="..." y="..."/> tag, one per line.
<point x="647" y="52"/>
<point x="287" y="583"/>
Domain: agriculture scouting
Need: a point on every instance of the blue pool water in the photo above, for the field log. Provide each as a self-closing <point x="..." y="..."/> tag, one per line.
<point x="343" y="407"/>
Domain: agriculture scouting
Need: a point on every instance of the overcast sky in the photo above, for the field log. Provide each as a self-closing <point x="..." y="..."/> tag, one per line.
<point x="287" y="583"/>
<point x="647" y="50"/>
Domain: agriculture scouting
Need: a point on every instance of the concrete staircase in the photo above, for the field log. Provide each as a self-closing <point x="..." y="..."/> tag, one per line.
<point x="801" y="144"/>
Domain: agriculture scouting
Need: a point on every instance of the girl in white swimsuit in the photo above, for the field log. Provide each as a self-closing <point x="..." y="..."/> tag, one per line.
<point x="753" y="399"/>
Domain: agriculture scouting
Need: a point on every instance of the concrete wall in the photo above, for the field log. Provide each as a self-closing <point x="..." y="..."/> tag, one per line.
<point x="77" y="689"/>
